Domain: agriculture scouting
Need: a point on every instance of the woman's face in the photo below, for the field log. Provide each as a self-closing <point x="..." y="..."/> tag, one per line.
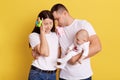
<point x="47" y="24"/>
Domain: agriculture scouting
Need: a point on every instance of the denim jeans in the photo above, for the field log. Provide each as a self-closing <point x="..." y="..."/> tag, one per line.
<point x="37" y="75"/>
<point x="90" y="78"/>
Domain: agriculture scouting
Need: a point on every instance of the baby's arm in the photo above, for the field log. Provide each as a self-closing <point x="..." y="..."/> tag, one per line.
<point x="71" y="48"/>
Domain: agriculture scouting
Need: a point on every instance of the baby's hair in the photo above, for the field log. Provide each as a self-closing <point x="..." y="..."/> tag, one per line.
<point x="83" y="32"/>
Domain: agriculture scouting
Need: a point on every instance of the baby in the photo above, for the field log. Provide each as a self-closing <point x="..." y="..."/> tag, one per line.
<point x="81" y="44"/>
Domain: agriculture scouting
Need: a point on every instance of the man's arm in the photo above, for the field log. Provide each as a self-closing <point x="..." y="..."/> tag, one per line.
<point x="95" y="47"/>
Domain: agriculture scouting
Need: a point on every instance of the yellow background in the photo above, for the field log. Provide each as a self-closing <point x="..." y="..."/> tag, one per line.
<point x="17" y="19"/>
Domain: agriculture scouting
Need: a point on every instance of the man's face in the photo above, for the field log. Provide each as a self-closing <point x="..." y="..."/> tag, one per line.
<point x="60" y="18"/>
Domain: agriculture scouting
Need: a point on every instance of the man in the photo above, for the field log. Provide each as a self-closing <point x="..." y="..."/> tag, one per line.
<point x="74" y="70"/>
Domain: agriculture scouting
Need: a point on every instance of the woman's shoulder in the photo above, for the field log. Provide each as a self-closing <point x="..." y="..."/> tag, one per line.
<point x="33" y="34"/>
<point x="53" y="33"/>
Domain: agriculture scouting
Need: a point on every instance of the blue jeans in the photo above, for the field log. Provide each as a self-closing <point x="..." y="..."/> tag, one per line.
<point x="90" y="78"/>
<point x="39" y="75"/>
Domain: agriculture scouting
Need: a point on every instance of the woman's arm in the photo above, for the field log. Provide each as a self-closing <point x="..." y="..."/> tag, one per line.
<point x="42" y="48"/>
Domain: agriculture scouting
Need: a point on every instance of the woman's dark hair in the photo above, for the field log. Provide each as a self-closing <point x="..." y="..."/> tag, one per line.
<point x="43" y="15"/>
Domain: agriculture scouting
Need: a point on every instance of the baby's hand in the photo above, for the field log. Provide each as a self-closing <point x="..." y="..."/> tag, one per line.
<point x="68" y="50"/>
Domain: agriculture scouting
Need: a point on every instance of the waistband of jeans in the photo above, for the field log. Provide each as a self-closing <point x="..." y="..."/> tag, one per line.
<point x="40" y="70"/>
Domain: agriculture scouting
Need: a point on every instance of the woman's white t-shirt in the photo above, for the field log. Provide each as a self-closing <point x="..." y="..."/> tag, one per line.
<point x="46" y="63"/>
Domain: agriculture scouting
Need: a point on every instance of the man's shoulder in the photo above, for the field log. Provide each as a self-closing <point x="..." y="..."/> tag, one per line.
<point x="81" y="20"/>
<point x="79" y="24"/>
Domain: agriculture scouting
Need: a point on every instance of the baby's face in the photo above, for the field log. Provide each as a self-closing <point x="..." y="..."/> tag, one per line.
<point x="80" y="39"/>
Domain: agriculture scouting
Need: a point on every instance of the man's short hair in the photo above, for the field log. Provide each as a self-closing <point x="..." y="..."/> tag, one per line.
<point x="58" y="7"/>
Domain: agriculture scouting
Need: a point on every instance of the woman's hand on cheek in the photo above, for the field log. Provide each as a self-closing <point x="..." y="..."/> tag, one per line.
<point x="42" y="29"/>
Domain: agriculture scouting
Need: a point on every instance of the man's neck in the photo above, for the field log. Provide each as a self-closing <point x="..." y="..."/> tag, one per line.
<point x="70" y="20"/>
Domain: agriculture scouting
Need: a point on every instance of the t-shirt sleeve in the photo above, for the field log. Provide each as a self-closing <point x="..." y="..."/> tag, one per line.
<point x="34" y="39"/>
<point x="87" y="26"/>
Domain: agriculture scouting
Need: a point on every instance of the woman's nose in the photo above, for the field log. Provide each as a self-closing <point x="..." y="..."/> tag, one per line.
<point x="49" y="26"/>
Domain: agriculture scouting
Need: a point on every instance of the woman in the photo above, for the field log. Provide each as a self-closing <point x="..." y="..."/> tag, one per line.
<point x="44" y="43"/>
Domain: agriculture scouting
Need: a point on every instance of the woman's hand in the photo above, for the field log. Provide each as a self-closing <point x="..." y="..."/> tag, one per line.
<point x="42" y="29"/>
<point x="35" y="54"/>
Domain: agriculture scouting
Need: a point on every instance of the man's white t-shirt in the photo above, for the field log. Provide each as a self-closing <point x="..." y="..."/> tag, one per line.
<point x="77" y="71"/>
<point x="46" y="63"/>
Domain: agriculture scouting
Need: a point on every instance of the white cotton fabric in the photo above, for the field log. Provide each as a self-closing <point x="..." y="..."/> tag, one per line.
<point x="77" y="71"/>
<point x="45" y="63"/>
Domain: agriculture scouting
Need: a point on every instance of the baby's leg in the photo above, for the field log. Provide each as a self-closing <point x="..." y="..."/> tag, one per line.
<point x="67" y="57"/>
<point x="64" y="60"/>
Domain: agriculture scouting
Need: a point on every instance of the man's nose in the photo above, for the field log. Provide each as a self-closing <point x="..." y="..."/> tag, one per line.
<point x="59" y="25"/>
